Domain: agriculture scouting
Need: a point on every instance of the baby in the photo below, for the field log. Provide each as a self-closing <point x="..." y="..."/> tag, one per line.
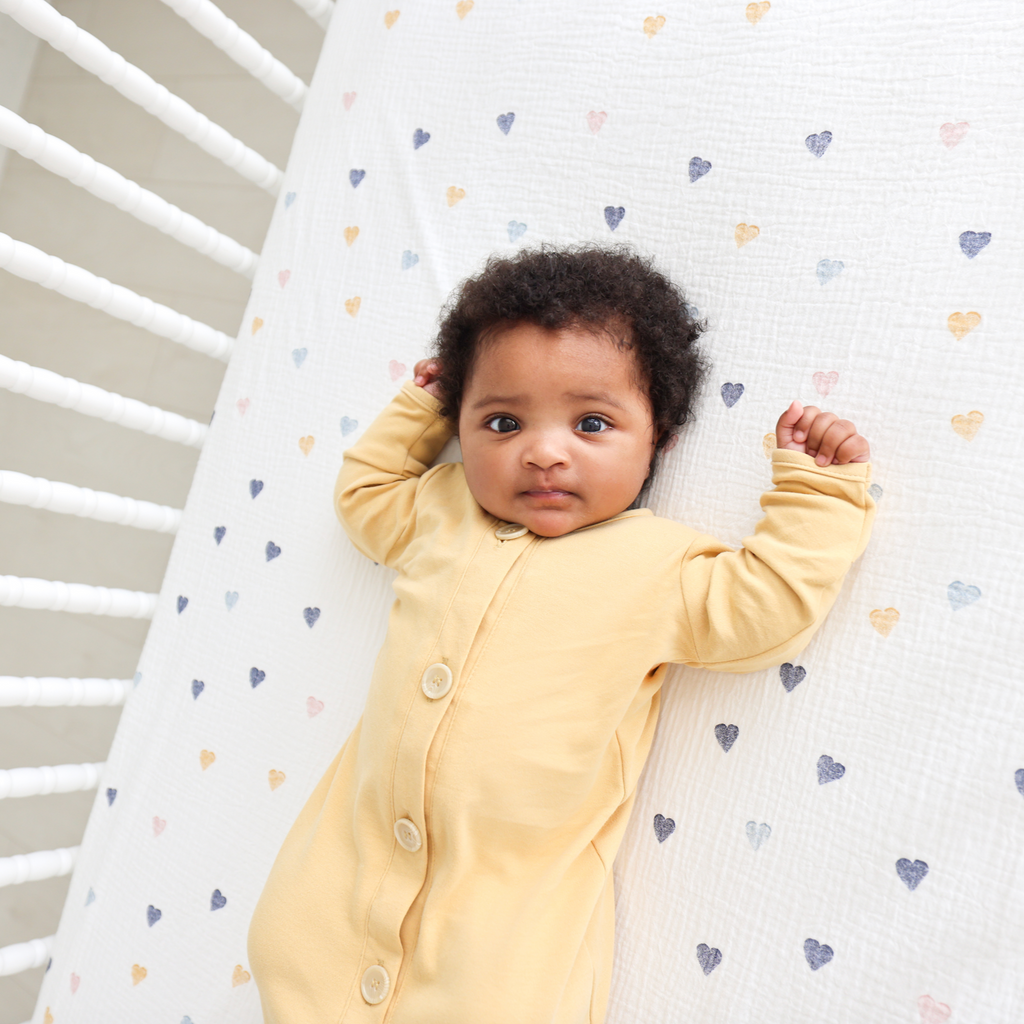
<point x="454" y="864"/>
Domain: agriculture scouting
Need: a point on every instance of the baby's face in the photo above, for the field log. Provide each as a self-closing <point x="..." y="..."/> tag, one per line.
<point x="555" y="434"/>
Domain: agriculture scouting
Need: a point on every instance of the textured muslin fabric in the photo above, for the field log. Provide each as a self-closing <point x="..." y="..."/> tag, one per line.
<point x="838" y="189"/>
<point x="517" y="775"/>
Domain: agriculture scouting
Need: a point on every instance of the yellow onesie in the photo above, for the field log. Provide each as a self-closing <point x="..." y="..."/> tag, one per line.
<point x="454" y="864"/>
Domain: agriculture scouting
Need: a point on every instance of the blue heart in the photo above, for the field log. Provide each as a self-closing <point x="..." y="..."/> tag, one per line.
<point x="197" y="688"/>
<point x="515" y="230"/>
<point x="289" y="198"/>
<point x="698" y="168"/>
<point x="347" y="425"/>
<point x="182" y="603"/>
<point x="912" y="874"/>
<point x="758" y="834"/>
<point x="136" y="679"/>
<point x="299" y="356"/>
<point x="310" y="615"/>
<point x="231" y="598"/>
<point x="876" y="492"/>
<point x="960" y="595"/>
<point x="111" y="793"/>
<point x="420" y="138"/>
<point x="272" y="550"/>
<point x="691" y="311"/>
<point x="613" y="216"/>
<point x="255" y="486"/>
<point x="972" y="242"/>
<point x="256" y="676"/>
<point x="1018" y="778"/>
<point x="355" y="177"/>
<point x="153" y="915"/>
<point x="817" y="144"/>
<point x="505" y="121"/>
<point x="217" y="900"/>
<point x="816" y="954"/>
<point x="218" y="533"/>
<point x="663" y="827"/>
<point x="731" y="394"/>
<point x="726" y="735"/>
<point x="186" y="1020"/>
<point x="792" y="675"/>
<point x="708" y="958"/>
<point x="827" y="269"/>
<point x="409" y="259"/>
<point x="91" y="898"/>
<point x="829" y="770"/>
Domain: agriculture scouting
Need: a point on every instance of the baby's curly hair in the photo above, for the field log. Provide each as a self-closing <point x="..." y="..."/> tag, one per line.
<point x="610" y="290"/>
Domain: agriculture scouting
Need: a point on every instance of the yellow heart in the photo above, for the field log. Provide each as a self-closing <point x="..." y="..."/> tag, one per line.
<point x="47" y="1017"/>
<point x="391" y="17"/>
<point x="967" y="426"/>
<point x="746" y="233"/>
<point x="276" y="778"/>
<point x="239" y="976"/>
<point x="351" y="234"/>
<point x="463" y="7"/>
<point x="962" y="323"/>
<point x="652" y="26"/>
<point x="306" y="443"/>
<point x="206" y="758"/>
<point x="257" y="323"/>
<point x="138" y="973"/>
<point x="455" y="194"/>
<point x="770" y="443"/>
<point x="755" y="12"/>
<point x="884" y="621"/>
<point x="352" y="305"/>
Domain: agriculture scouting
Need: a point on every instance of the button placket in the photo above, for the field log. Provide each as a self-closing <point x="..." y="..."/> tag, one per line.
<point x="408" y="835"/>
<point x="511" y="531"/>
<point x="374" y="984"/>
<point x="436" y="680"/>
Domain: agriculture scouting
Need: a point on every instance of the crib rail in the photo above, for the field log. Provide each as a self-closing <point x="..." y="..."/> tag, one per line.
<point x="54" y="596"/>
<point x="28" y="691"/>
<point x="23" y="956"/>
<point x="61" y="778"/>
<point x="34" y="867"/>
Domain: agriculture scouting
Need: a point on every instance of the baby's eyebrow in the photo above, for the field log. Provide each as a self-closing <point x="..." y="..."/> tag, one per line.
<point x="498" y="400"/>
<point x="599" y="396"/>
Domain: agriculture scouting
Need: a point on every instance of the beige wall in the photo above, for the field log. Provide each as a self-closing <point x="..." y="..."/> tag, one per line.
<point x="44" y="329"/>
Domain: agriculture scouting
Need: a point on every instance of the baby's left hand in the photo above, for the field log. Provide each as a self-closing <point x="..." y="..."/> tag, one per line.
<point x="824" y="435"/>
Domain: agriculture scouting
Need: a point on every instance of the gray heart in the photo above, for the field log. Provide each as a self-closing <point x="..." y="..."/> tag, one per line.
<point x="829" y="770"/>
<point x="912" y="874"/>
<point x="972" y="242"/>
<point x="726" y="735"/>
<point x="708" y="958"/>
<point x="817" y="955"/>
<point x="663" y="827"/>
<point x="792" y="675"/>
<point x="731" y="394"/>
<point x="698" y="168"/>
<point x="817" y="144"/>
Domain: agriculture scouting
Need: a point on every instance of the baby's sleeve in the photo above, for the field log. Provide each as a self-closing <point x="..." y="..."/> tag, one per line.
<point x="383" y="474"/>
<point x="758" y="606"/>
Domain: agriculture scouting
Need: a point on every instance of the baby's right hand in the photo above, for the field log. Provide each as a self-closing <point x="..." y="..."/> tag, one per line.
<point x="426" y="373"/>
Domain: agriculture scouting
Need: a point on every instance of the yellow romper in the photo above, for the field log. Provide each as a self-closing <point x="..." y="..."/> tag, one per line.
<point x="454" y="863"/>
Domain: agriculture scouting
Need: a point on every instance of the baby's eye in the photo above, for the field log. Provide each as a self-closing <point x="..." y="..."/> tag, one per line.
<point x="502" y="424"/>
<point x="593" y="425"/>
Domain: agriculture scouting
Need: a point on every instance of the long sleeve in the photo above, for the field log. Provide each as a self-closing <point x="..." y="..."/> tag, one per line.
<point x="760" y="605"/>
<point x="384" y="472"/>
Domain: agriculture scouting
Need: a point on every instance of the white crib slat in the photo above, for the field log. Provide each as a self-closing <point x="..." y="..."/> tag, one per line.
<point x="47" y="386"/>
<point x="36" y="492"/>
<point x="33" y="264"/>
<point x="60" y="778"/>
<point x="23" y="956"/>
<point x="319" y="10"/>
<point x="57" y="156"/>
<point x="34" y="867"/>
<point x="54" y="596"/>
<point x="88" y="52"/>
<point x="210" y="21"/>
<point x="29" y="692"/>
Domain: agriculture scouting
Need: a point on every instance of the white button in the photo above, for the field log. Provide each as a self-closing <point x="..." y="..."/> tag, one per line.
<point x="437" y="681"/>
<point x="375" y="984"/>
<point x="510" y="531"/>
<point x="407" y="834"/>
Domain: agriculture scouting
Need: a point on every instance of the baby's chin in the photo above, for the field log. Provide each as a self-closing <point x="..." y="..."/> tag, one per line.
<point x="550" y="522"/>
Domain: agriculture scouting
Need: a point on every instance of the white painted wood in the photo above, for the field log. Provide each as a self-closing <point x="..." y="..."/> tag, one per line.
<point x="47" y="386"/>
<point x="61" y="778"/>
<point x="88" y="52"/>
<point x="30" y="692"/>
<point x="34" y="867"/>
<point x="23" y="956"/>
<point x="32" y="264"/>
<point x="36" y="492"/>
<point x="54" y="596"/>
<point x="319" y="10"/>
<point x="57" y="156"/>
<point x="210" y="21"/>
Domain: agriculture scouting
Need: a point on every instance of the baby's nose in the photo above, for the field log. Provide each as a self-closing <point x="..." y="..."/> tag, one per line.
<point x="545" y="451"/>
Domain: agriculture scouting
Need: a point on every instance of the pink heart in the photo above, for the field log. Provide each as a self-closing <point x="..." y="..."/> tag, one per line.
<point x="159" y="824"/>
<point x="75" y="979"/>
<point x="282" y="277"/>
<point x="348" y="99"/>
<point x="313" y="706"/>
<point x="825" y="382"/>
<point x="243" y="405"/>
<point x="396" y="369"/>
<point x="595" y="119"/>
<point x="951" y="133"/>
<point x="931" y="1011"/>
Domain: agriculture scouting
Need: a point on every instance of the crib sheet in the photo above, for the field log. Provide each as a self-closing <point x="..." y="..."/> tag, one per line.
<point x="838" y="188"/>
